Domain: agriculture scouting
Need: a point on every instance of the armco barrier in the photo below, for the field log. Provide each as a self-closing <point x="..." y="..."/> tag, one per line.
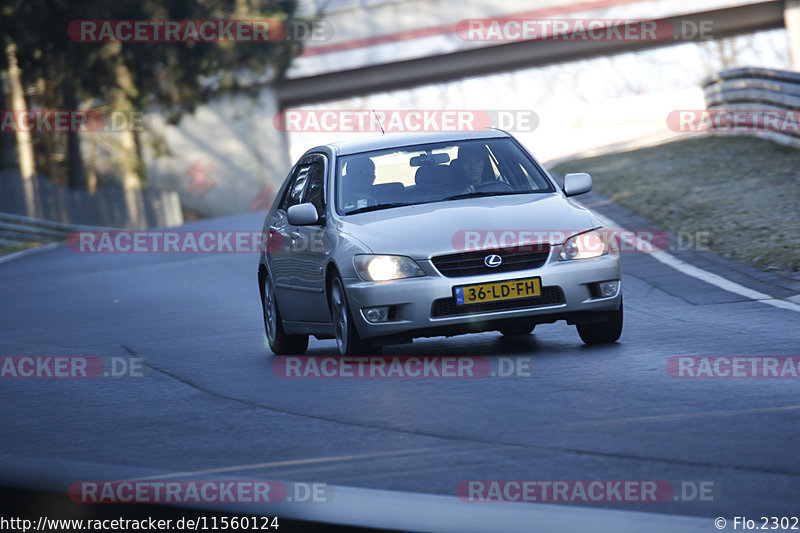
<point x="109" y="206"/>
<point x="17" y="228"/>
<point x="754" y="88"/>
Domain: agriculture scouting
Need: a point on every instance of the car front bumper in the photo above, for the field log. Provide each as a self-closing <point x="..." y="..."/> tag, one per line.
<point x="425" y="305"/>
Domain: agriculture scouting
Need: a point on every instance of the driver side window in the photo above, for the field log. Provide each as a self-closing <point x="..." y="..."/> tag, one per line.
<point x="315" y="190"/>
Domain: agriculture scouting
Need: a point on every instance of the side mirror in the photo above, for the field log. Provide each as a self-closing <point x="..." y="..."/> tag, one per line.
<point x="302" y="215"/>
<point x="577" y="183"/>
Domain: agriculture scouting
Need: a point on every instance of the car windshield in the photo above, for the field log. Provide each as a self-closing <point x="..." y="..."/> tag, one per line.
<point x="435" y="173"/>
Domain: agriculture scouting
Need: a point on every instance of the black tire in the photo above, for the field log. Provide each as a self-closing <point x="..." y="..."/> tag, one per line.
<point x="347" y="339"/>
<point x="603" y="332"/>
<point x="521" y="328"/>
<point x="279" y="342"/>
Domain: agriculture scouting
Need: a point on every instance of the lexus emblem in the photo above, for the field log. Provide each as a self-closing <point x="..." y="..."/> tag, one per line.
<point x="492" y="261"/>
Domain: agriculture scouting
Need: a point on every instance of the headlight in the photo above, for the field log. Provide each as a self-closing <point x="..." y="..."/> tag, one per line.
<point x="386" y="267"/>
<point x="589" y="244"/>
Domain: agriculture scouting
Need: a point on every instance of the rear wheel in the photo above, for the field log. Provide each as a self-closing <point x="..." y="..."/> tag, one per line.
<point x="347" y="338"/>
<point x="603" y="332"/>
<point x="520" y="328"/>
<point x="279" y="342"/>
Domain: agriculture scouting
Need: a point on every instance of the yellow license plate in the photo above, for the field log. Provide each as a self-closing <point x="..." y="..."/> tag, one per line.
<point x="498" y="290"/>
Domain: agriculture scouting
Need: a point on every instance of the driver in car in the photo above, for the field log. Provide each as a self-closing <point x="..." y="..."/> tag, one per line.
<point x="358" y="183"/>
<point x="474" y="166"/>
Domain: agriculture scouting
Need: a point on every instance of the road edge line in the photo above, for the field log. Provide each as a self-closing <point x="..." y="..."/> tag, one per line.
<point x="703" y="275"/>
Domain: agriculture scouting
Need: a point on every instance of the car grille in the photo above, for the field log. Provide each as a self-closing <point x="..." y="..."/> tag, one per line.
<point x="471" y="263"/>
<point x="447" y="306"/>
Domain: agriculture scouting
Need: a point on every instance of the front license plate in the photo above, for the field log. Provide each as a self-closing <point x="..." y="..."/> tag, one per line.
<point x="498" y="290"/>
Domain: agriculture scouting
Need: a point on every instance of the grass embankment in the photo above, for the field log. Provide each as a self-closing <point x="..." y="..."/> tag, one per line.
<point x="744" y="191"/>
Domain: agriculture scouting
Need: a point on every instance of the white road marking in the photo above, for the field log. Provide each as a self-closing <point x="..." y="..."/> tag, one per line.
<point x="384" y="509"/>
<point x="293" y="462"/>
<point x="600" y="422"/>
<point x="672" y="417"/>
<point x="410" y="511"/>
<point x="698" y="273"/>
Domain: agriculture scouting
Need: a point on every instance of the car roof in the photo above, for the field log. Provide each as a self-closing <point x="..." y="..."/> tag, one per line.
<point x="392" y="140"/>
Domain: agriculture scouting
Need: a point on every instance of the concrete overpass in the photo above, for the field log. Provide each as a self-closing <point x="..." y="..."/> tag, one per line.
<point x="387" y="46"/>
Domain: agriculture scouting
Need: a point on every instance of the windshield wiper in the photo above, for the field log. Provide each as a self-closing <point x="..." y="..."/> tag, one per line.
<point x="375" y="207"/>
<point x="478" y="194"/>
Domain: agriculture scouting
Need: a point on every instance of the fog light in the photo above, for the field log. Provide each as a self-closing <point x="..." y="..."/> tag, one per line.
<point x="376" y="314"/>
<point x="608" y="288"/>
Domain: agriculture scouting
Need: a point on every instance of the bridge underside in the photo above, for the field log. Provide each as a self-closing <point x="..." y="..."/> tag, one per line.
<point x="338" y="85"/>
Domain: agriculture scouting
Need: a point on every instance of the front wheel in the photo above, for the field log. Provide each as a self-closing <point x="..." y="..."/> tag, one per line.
<point x="603" y="332"/>
<point x="279" y="342"/>
<point x="347" y="338"/>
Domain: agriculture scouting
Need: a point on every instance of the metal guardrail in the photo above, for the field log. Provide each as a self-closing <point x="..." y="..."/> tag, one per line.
<point x="17" y="228"/>
<point x="757" y="89"/>
<point x="40" y="199"/>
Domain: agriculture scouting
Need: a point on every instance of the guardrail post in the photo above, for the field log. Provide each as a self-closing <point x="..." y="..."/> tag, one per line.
<point x="791" y="17"/>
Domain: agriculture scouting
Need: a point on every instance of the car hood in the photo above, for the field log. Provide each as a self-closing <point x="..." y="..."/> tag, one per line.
<point x="425" y="230"/>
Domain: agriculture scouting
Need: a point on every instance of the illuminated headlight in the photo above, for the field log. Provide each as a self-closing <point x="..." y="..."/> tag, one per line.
<point x="589" y="244"/>
<point x="386" y="267"/>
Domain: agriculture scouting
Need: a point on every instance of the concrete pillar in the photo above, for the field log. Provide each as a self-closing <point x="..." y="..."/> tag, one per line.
<point x="791" y="17"/>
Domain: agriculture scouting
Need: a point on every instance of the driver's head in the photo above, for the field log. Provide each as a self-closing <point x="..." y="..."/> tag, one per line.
<point x="361" y="173"/>
<point x="473" y="161"/>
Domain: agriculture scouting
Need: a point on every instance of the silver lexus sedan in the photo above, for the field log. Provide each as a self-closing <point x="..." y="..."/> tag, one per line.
<point x="379" y="241"/>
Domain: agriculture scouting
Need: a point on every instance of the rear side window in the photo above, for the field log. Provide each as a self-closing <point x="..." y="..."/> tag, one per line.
<point x="294" y="193"/>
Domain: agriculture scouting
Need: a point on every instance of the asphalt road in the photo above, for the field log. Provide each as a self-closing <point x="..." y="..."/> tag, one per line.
<point x="210" y="399"/>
